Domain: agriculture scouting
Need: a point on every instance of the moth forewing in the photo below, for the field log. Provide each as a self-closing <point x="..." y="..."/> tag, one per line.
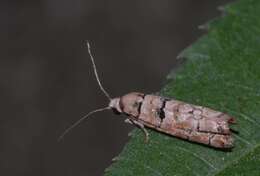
<point x="194" y="123"/>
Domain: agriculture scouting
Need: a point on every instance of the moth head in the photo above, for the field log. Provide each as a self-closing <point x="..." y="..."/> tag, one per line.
<point x="128" y="104"/>
<point x="114" y="105"/>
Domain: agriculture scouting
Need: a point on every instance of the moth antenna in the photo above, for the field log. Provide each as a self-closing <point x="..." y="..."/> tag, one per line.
<point x="79" y="121"/>
<point x="96" y="73"/>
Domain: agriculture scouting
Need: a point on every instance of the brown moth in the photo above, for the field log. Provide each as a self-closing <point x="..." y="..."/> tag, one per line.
<point x="179" y="119"/>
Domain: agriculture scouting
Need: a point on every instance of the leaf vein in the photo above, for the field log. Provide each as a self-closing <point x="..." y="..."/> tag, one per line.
<point x="199" y="157"/>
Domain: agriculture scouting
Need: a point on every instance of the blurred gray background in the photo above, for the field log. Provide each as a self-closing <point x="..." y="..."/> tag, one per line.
<point x="47" y="81"/>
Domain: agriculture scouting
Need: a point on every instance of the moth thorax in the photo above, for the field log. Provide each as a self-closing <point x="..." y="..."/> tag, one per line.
<point x="130" y="103"/>
<point x="114" y="104"/>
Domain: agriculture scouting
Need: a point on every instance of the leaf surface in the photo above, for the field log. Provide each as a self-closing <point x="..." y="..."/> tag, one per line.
<point x="221" y="71"/>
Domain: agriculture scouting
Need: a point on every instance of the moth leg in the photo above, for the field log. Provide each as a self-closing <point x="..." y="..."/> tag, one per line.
<point x="128" y="121"/>
<point x="141" y="126"/>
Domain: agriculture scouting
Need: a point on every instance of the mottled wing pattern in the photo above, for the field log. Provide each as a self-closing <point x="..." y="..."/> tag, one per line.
<point x="190" y="122"/>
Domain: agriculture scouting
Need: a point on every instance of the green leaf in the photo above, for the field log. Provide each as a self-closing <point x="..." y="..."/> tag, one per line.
<point x="222" y="71"/>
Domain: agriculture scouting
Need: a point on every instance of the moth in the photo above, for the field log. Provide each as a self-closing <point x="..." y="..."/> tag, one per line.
<point x="176" y="118"/>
